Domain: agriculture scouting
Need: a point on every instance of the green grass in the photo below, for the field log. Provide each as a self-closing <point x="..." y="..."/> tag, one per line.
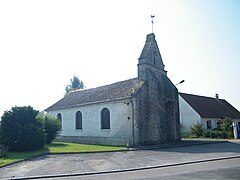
<point x="56" y="147"/>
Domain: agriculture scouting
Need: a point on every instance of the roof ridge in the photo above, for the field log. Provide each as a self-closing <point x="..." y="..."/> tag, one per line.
<point x="199" y="96"/>
<point x="114" y="91"/>
<point x="102" y="85"/>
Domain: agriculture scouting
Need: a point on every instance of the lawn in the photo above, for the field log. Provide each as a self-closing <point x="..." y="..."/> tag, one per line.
<point x="56" y="147"/>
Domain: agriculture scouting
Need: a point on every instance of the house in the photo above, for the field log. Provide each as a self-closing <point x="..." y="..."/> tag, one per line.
<point x="142" y="110"/>
<point x="205" y="110"/>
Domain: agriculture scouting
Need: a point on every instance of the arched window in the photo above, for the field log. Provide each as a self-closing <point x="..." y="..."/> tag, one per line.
<point x="59" y="116"/>
<point x="78" y="120"/>
<point x="105" y="118"/>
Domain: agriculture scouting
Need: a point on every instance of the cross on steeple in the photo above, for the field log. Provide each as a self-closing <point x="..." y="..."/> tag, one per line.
<point x="152" y="16"/>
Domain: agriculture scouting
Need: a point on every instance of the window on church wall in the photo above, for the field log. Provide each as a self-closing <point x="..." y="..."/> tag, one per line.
<point x="59" y="116"/>
<point x="105" y="118"/>
<point x="78" y="120"/>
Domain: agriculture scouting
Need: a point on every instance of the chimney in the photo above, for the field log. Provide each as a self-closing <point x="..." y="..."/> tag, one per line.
<point x="216" y="96"/>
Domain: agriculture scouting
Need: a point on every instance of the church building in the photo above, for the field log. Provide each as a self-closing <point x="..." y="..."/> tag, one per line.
<point x="138" y="111"/>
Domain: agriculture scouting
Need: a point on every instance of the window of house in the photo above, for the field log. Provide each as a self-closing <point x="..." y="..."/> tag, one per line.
<point x="59" y="116"/>
<point x="209" y="124"/>
<point x="78" y="120"/>
<point x="105" y="118"/>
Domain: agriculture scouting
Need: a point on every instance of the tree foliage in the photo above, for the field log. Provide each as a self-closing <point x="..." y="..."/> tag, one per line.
<point x="226" y="127"/>
<point x="75" y="84"/>
<point x="197" y="130"/>
<point x="52" y="127"/>
<point x="20" y="129"/>
<point x="226" y="124"/>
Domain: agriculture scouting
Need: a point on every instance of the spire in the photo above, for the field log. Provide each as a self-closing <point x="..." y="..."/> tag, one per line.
<point x="150" y="54"/>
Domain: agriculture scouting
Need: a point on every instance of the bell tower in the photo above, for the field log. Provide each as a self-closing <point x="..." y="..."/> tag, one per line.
<point x="150" y="58"/>
<point x="159" y="117"/>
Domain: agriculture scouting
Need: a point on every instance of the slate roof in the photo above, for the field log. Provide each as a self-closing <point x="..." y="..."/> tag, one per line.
<point x="208" y="107"/>
<point x="118" y="90"/>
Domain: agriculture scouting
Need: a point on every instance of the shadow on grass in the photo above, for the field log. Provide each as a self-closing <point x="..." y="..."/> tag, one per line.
<point x="16" y="156"/>
<point x="56" y="145"/>
<point x="54" y="148"/>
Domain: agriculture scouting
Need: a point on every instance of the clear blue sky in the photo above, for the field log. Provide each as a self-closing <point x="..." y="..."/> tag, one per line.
<point x="43" y="44"/>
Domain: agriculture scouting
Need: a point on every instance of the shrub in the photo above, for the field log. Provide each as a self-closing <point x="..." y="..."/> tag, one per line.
<point x="226" y="126"/>
<point x="197" y="130"/>
<point x="217" y="134"/>
<point x="224" y="131"/>
<point x="207" y="133"/>
<point x="0" y="133"/>
<point x="3" y="151"/>
<point x="52" y="127"/>
<point x="20" y="129"/>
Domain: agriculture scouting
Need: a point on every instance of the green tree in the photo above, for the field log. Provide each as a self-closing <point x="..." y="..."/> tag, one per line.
<point x="197" y="130"/>
<point x="226" y="126"/>
<point x="52" y="127"/>
<point x="74" y="85"/>
<point x="20" y="129"/>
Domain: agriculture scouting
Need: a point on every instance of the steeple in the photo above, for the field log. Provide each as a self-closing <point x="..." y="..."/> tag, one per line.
<point x="150" y="56"/>
<point x="159" y="98"/>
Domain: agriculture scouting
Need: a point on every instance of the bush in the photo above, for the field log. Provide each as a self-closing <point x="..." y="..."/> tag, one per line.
<point x="226" y="124"/>
<point x="197" y="130"/>
<point x="3" y="151"/>
<point x="20" y="129"/>
<point x="0" y="133"/>
<point x="224" y="131"/>
<point x="207" y="133"/>
<point x="52" y="127"/>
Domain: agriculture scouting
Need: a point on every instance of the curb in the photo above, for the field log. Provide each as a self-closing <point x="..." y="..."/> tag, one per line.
<point x="193" y="143"/>
<point x="124" y="170"/>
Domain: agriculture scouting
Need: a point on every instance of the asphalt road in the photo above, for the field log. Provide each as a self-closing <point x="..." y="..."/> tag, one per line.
<point x="221" y="169"/>
<point x="127" y="164"/>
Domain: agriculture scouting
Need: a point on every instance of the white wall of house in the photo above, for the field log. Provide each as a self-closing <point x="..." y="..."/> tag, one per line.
<point x="120" y="131"/>
<point x="188" y="116"/>
<point x="213" y="122"/>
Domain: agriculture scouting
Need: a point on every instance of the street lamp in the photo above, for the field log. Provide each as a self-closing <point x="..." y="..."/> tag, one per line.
<point x="182" y="81"/>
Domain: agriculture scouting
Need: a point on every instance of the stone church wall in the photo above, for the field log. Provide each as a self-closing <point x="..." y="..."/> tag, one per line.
<point x="121" y="126"/>
<point x="141" y="113"/>
<point x="159" y="122"/>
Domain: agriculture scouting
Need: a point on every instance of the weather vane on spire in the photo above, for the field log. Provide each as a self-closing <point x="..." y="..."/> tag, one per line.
<point x="152" y="16"/>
